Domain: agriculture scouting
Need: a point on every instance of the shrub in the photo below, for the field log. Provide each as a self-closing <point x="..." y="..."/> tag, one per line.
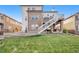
<point x="68" y="31"/>
<point x="71" y="31"/>
<point x="65" y="31"/>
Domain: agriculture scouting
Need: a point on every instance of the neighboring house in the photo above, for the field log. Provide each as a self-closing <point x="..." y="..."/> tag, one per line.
<point x="8" y="24"/>
<point x="71" y="24"/>
<point x="37" y="20"/>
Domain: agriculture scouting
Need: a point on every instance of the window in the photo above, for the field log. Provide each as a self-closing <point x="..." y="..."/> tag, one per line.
<point x="46" y="18"/>
<point x="33" y="8"/>
<point x="47" y="14"/>
<point x="34" y="17"/>
<point x="51" y="17"/>
<point x="34" y="26"/>
<point x="28" y="8"/>
<point x="1" y="17"/>
<point x="0" y="27"/>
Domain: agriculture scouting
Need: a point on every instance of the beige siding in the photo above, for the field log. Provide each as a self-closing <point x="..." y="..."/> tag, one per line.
<point x="38" y="21"/>
<point x="10" y="25"/>
<point x="25" y="15"/>
<point x="69" y="23"/>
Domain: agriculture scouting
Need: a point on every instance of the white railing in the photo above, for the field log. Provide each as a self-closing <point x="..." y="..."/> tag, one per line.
<point x="60" y="16"/>
<point x="49" y="23"/>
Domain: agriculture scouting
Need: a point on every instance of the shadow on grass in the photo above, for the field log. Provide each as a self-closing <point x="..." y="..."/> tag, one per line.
<point x="19" y="37"/>
<point x="34" y="35"/>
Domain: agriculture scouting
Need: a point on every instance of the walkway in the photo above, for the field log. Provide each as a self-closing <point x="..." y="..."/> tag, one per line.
<point x="19" y="34"/>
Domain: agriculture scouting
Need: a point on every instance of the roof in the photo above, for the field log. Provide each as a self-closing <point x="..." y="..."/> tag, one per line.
<point x="11" y="18"/>
<point x="34" y="10"/>
<point x="50" y="11"/>
<point x="31" y="5"/>
<point x="42" y="9"/>
<point x="72" y="15"/>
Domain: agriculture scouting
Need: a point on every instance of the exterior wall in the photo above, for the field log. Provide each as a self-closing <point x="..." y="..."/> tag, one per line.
<point x="10" y="25"/>
<point x="77" y="23"/>
<point x="69" y="24"/>
<point x="25" y="15"/>
<point x="24" y="19"/>
<point x="1" y="19"/>
<point x="35" y="10"/>
<point x="1" y="28"/>
<point x="36" y="22"/>
<point x="32" y="7"/>
<point x="57" y="26"/>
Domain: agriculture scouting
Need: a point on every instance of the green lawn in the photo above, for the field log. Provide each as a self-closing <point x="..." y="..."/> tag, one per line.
<point x="41" y="43"/>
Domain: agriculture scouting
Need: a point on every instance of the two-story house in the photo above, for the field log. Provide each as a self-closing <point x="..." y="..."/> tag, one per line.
<point x="35" y="19"/>
<point x="9" y="25"/>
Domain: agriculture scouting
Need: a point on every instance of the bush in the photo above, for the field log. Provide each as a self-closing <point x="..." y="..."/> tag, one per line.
<point x="68" y="31"/>
<point x="71" y="31"/>
<point x="65" y="31"/>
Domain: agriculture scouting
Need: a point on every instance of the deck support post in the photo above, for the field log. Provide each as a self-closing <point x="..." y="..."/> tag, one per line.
<point x="61" y="26"/>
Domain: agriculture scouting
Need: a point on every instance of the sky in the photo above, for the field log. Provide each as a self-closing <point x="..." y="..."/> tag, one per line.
<point x="15" y="11"/>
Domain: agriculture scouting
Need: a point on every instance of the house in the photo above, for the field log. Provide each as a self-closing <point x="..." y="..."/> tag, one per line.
<point x="71" y="24"/>
<point x="36" y="20"/>
<point x="8" y="24"/>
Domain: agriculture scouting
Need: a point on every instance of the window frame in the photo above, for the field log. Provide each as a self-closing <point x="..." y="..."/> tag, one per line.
<point x="35" y="17"/>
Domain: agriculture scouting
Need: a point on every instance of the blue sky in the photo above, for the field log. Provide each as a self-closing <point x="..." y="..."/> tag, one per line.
<point x="15" y="11"/>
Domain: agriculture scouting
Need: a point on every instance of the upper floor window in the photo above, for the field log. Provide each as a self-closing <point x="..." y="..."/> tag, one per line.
<point x="47" y="14"/>
<point x="51" y="17"/>
<point x="46" y="18"/>
<point x="34" y="17"/>
<point x="31" y="8"/>
<point x="1" y="17"/>
<point x="28" y="8"/>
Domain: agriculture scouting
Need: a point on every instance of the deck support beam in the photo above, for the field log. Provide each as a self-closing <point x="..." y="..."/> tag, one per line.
<point x="61" y="26"/>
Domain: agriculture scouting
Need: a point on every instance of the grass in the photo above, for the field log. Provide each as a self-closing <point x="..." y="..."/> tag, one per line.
<point x="53" y="43"/>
